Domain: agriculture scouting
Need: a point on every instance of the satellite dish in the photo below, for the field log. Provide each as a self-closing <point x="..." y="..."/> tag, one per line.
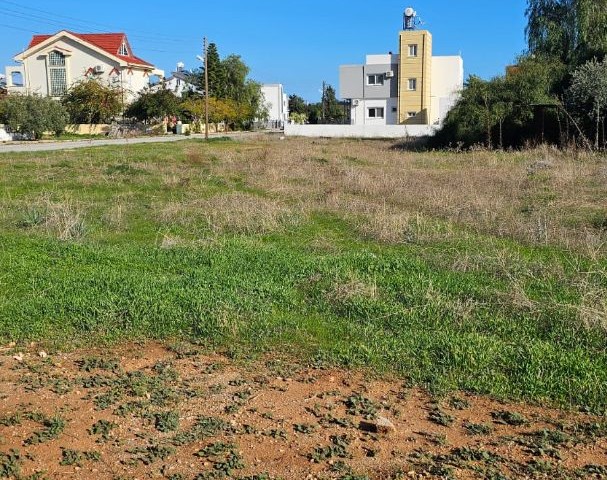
<point x="409" y="12"/>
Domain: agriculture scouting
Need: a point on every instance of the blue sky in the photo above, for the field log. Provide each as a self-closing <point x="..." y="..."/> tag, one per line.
<point x="299" y="44"/>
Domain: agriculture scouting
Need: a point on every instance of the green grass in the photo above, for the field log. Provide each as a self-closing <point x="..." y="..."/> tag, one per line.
<point x="506" y="325"/>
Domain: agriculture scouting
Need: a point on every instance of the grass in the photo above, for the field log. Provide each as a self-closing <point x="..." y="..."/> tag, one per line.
<point x="480" y="271"/>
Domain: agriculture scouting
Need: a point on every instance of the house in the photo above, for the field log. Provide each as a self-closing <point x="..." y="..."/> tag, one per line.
<point x="277" y="103"/>
<point x="181" y="81"/>
<point x="413" y="87"/>
<point x="51" y="64"/>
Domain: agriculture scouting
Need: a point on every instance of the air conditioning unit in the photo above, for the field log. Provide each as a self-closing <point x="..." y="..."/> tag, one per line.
<point x="355" y="103"/>
<point x="98" y="69"/>
<point x="390" y="74"/>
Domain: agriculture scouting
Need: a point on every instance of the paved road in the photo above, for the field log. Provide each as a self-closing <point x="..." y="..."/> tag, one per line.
<point x="70" y="145"/>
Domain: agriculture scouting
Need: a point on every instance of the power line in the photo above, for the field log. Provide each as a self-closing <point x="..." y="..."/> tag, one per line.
<point x="85" y="23"/>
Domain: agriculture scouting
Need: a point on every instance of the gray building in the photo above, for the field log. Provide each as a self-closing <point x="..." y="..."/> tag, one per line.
<point x="372" y="89"/>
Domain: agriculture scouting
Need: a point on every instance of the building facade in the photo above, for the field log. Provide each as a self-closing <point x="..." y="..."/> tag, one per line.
<point x="277" y="103"/>
<point x="412" y="87"/>
<point x="53" y="63"/>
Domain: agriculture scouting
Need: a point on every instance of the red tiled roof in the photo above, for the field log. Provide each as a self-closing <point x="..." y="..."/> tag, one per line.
<point x="108" y="42"/>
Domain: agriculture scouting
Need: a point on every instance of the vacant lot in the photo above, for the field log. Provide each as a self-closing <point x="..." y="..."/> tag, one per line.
<point x="481" y="272"/>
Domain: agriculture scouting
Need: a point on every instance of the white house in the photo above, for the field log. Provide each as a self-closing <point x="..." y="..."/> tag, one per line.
<point x="277" y="102"/>
<point x="181" y="81"/>
<point x="53" y="63"/>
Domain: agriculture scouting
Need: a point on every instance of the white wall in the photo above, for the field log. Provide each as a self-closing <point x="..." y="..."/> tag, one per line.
<point x="358" y="131"/>
<point x="447" y="82"/>
<point x="360" y="112"/>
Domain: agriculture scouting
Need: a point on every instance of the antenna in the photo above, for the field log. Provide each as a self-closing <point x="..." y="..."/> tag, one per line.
<point x="409" y="19"/>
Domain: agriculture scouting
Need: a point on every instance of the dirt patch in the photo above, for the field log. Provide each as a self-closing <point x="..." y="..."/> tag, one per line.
<point x="176" y="412"/>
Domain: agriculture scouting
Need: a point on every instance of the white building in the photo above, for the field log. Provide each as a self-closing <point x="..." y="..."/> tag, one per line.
<point x="53" y="63"/>
<point x="373" y="88"/>
<point x="277" y="102"/>
<point x="181" y="82"/>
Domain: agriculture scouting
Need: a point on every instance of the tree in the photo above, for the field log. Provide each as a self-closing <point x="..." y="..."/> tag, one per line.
<point x="297" y="104"/>
<point x="589" y="88"/>
<point x="91" y="102"/>
<point x="216" y="72"/>
<point x="571" y="30"/>
<point x="33" y="115"/>
<point x="333" y="109"/>
<point x="229" y="84"/>
<point x="154" y="105"/>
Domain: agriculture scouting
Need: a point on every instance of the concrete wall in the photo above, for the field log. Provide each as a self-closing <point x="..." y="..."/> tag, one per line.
<point x="358" y="131"/>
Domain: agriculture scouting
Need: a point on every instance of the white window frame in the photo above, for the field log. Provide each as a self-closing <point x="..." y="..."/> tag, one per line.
<point x="57" y="65"/>
<point x="378" y="112"/>
<point x="412" y="84"/>
<point x="378" y="79"/>
<point x="124" y="51"/>
<point x="413" y="50"/>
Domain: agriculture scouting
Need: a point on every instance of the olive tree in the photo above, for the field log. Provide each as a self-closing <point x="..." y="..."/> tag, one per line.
<point x="589" y="88"/>
<point x="33" y="115"/>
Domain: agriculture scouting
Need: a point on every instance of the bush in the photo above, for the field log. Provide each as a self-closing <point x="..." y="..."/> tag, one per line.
<point x="33" y="115"/>
<point x="91" y="102"/>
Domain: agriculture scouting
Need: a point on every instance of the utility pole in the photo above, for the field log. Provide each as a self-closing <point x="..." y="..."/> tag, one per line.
<point x="206" y="90"/>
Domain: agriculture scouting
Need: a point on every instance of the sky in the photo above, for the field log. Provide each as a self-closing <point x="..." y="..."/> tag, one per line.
<point x="298" y="44"/>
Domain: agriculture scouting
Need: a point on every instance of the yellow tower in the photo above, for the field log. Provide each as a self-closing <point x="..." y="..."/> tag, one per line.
<point x="415" y="73"/>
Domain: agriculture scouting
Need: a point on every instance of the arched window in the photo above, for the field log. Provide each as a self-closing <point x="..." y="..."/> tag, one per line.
<point x="57" y="73"/>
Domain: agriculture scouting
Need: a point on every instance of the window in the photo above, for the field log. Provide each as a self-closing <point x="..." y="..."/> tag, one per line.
<point x="376" y="112"/>
<point x="412" y="84"/>
<point x="375" y="79"/>
<point x="123" y="50"/>
<point x="57" y="74"/>
<point x="411" y="114"/>
<point x="413" y="50"/>
<point x="394" y="110"/>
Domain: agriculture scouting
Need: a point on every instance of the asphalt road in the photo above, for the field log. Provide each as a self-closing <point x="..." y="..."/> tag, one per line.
<point x="71" y="145"/>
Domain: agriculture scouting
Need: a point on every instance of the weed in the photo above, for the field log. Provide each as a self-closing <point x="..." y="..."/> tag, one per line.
<point x="203" y="428"/>
<point x="53" y="427"/>
<point x="223" y="456"/>
<point x="103" y="428"/>
<point x="358" y="405"/>
<point x="11" y="420"/>
<point x="338" y="448"/>
<point x="152" y="453"/>
<point x="458" y="403"/>
<point x="505" y="417"/>
<point x="440" y="417"/>
<point x="88" y="364"/>
<point x="74" y="457"/>
<point x="305" y="428"/>
<point x="477" y="428"/>
<point x="10" y="464"/>
<point x="166" y="421"/>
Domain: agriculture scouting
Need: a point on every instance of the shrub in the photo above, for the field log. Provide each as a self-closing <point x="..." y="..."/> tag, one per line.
<point x="32" y="115"/>
<point x="91" y="102"/>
